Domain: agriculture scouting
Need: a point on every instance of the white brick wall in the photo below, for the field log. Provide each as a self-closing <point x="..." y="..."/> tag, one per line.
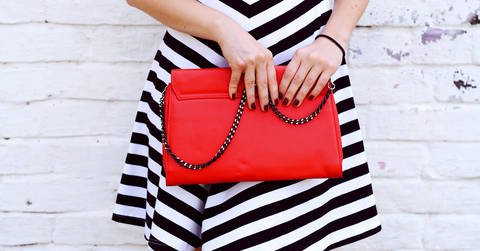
<point x="71" y="73"/>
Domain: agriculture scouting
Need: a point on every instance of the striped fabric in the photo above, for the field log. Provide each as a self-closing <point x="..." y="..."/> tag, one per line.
<point x="314" y="214"/>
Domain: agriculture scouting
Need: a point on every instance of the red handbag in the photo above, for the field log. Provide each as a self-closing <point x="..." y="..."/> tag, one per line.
<point x="288" y="143"/>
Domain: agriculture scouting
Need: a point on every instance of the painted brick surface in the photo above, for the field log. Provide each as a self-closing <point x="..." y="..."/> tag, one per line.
<point x="71" y="73"/>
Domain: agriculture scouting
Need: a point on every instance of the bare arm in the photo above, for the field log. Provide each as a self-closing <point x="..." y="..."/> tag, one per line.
<point x="322" y="58"/>
<point x="243" y="53"/>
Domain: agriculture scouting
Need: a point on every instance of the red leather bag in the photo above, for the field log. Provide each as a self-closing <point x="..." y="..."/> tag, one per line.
<point x="197" y="118"/>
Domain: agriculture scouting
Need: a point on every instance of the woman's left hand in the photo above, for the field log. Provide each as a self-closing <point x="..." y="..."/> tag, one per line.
<point x="311" y="66"/>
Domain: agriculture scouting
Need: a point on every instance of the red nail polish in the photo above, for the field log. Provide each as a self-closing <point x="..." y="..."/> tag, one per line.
<point x="234" y="96"/>
<point x="311" y="97"/>
<point x="285" y="101"/>
<point x="296" y="102"/>
<point x="280" y="95"/>
<point x="265" y="107"/>
<point x="254" y="106"/>
<point x="276" y="102"/>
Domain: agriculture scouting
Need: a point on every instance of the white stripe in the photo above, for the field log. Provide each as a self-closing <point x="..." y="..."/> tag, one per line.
<point x="260" y="201"/>
<point x="346" y="233"/>
<point x="135" y="170"/>
<point x="138" y="149"/>
<point x="134" y="191"/>
<point x="169" y="239"/>
<point x="185" y="196"/>
<point x="354" y="161"/>
<point x="347" y="116"/>
<point x="129" y="211"/>
<point x="242" y="20"/>
<point x="175" y="58"/>
<point x="274" y="12"/>
<point x="287" y="215"/>
<point x="177" y="218"/>
<point x="219" y="198"/>
<point x="342" y="71"/>
<point x="196" y="45"/>
<point x="351" y="138"/>
<point x="343" y="94"/>
<point x="315" y="225"/>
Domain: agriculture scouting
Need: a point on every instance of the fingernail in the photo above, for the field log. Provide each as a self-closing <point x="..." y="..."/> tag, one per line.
<point x="311" y="97"/>
<point x="253" y="106"/>
<point x="234" y="96"/>
<point x="280" y="95"/>
<point x="285" y="101"/>
<point x="296" y="102"/>
<point x="265" y="108"/>
<point x="276" y="102"/>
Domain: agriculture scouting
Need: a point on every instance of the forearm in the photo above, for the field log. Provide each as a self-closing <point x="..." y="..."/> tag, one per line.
<point x="344" y="18"/>
<point x="188" y="16"/>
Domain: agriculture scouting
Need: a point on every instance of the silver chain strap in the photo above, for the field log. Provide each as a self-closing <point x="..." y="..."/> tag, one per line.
<point x="234" y="127"/>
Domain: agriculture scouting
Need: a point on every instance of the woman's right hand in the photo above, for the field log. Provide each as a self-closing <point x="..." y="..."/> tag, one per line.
<point x="244" y="54"/>
<point x="248" y="59"/>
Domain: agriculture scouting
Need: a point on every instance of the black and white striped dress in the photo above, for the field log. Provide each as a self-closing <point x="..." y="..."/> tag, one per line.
<point x="314" y="214"/>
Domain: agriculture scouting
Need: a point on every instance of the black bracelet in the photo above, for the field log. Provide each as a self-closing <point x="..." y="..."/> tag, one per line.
<point x="335" y="42"/>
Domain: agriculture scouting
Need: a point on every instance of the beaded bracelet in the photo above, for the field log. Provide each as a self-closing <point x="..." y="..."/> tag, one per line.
<point x="333" y="40"/>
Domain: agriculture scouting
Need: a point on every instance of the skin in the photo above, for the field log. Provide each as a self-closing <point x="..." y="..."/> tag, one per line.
<point x="310" y="65"/>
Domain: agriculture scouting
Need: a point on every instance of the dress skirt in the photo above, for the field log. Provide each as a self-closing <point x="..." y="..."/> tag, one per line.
<point x="312" y="214"/>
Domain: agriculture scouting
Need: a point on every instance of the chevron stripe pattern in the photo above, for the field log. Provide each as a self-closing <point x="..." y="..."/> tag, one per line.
<point x="314" y="214"/>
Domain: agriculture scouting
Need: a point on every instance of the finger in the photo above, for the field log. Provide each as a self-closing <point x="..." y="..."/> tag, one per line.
<point x="287" y="77"/>
<point x="249" y="79"/>
<point x="262" y="87"/>
<point x="295" y="84"/>
<point x="321" y="82"/>
<point x="272" y="83"/>
<point x="308" y="84"/>
<point x="233" y="84"/>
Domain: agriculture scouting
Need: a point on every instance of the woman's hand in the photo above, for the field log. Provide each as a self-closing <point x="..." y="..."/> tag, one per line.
<point x="251" y="61"/>
<point x="309" y="71"/>
<point x="244" y="54"/>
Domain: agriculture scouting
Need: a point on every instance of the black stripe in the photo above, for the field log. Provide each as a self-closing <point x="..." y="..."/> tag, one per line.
<point x="148" y="221"/>
<point x="245" y="195"/>
<point x="131" y="201"/>
<point x="332" y="227"/>
<point x="179" y="206"/>
<point x="345" y="105"/>
<point x="182" y="49"/>
<point x="152" y="104"/>
<point x="138" y="160"/>
<point x="142" y="118"/>
<point x="128" y="220"/>
<point x="157" y="83"/>
<point x="298" y="36"/>
<point x="138" y="138"/>
<point x="355" y="238"/>
<point x="221" y="187"/>
<point x="296" y="223"/>
<point x="214" y="46"/>
<point x="353" y="149"/>
<point x="286" y="18"/>
<point x="196" y="190"/>
<point x="342" y="82"/>
<point x="132" y="180"/>
<point x="166" y="64"/>
<point x="284" y="204"/>
<point x="250" y="10"/>
<point x="153" y="177"/>
<point x="350" y="127"/>
<point x="176" y="230"/>
<point x="151" y="200"/>
<point x="157" y="245"/>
